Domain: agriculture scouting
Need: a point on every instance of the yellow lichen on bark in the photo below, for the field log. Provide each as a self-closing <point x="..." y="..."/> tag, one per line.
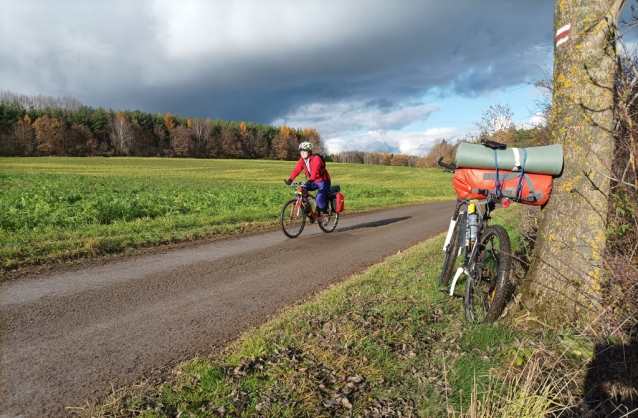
<point x="561" y="79"/>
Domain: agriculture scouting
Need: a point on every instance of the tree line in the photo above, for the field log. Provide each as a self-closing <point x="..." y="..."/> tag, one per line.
<point x="45" y="126"/>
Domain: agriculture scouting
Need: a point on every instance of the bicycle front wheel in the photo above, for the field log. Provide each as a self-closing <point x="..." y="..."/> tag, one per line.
<point x="329" y="221"/>
<point x="487" y="287"/>
<point x="452" y="260"/>
<point x="292" y="218"/>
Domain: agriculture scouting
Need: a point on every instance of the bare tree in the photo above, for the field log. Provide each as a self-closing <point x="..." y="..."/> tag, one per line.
<point x="40" y="102"/>
<point x="496" y="124"/>
<point x="121" y="132"/>
<point x="202" y="131"/>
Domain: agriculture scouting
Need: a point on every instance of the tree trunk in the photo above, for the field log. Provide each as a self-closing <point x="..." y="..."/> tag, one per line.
<point x="564" y="279"/>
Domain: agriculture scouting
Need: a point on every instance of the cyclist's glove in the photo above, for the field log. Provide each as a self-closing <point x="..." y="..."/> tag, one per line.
<point x="288" y="182"/>
<point x="308" y="183"/>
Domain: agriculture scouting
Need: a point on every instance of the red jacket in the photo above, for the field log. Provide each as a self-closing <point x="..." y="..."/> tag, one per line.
<point x="318" y="170"/>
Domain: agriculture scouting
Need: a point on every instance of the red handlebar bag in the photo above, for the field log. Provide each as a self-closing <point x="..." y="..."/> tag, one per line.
<point x="474" y="183"/>
<point x="339" y="202"/>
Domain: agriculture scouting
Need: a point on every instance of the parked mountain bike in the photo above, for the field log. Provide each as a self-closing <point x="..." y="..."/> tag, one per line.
<point x="479" y="251"/>
<point x="301" y="206"/>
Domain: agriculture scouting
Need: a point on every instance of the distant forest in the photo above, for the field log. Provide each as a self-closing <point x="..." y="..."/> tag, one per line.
<point x="62" y="126"/>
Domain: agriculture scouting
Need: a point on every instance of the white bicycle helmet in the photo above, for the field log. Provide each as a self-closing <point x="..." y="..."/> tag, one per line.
<point x="305" y="146"/>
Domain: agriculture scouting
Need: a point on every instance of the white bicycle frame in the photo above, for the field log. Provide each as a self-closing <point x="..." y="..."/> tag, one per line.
<point x="463" y="245"/>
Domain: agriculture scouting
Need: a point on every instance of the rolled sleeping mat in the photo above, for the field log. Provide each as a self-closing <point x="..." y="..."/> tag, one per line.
<point x="540" y="160"/>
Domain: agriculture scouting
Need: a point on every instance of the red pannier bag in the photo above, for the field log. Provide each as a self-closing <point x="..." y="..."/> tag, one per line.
<point x="339" y="202"/>
<point x="475" y="183"/>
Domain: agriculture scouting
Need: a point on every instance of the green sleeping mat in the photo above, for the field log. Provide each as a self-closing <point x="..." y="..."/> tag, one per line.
<point x="539" y="160"/>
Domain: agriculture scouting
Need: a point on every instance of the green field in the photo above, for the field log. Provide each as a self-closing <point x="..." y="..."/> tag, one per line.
<point x="54" y="209"/>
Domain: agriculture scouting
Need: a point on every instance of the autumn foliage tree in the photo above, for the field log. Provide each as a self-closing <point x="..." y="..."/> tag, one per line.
<point x="440" y="149"/>
<point x="169" y="123"/>
<point x="312" y="135"/>
<point x="48" y="136"/>
<point x="25" y="135"/>
<point x="399" y="160"/>
<point x="182" y="142"/>
<point x="230" y="143"/>
<point x="285" y="144"/>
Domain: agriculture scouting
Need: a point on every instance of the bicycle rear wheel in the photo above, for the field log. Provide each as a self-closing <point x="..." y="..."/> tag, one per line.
<point x="329" y="221"/>
<point x="292" y="218"/>
<point x="487" y="287"/>
<point x="452" y="260"/>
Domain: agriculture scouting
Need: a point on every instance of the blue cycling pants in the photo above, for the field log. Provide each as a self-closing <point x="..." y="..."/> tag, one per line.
<point x="323" y="189"/>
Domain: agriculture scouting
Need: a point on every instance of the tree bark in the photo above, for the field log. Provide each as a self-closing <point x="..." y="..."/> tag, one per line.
<point x="564" y="280"/>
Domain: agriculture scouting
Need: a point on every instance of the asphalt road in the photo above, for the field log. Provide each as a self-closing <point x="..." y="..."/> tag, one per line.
<point x="69" y="337"/>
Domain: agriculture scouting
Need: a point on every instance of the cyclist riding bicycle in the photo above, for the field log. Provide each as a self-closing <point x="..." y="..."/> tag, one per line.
<point x="318" y="177"/>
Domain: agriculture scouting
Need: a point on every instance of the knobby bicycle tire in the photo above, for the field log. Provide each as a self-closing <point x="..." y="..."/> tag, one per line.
<point x="486" y="287"/>
<point x="451" y="254"/>
<point x="292" y="218"/>
<point x="329" y="222"/>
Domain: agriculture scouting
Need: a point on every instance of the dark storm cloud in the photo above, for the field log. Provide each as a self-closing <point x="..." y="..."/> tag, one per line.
<point x="245" y="60"/>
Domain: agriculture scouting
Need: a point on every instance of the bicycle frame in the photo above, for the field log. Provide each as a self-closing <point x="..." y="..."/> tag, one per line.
<point x="467" y="244"/>
<point x="303" y="195"/>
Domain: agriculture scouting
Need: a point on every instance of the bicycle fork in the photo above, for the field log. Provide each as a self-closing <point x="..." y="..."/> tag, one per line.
<point x="468" y="246"/>
<point x="450" y="230"/>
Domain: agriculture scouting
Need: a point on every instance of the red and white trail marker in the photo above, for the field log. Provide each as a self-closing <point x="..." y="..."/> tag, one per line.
<point x="562" y="34"/>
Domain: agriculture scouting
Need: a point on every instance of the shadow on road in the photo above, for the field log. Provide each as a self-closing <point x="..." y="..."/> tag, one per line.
<point x="374" y="224"/>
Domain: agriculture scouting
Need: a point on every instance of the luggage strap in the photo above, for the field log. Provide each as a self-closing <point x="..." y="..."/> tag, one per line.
<point x="498" y="185"/>
<point x="517" y="166"/>
<point x="515" y="194"/>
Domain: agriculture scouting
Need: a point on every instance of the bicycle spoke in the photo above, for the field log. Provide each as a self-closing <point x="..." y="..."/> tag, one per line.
<point x="292" y="219"/>
<point x="328" y="223"/>
<point x="485" y="294"/>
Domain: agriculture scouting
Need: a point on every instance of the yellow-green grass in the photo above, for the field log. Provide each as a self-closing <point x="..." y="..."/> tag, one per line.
<point x="54" y="209"/>
<point x="383" y="342"/>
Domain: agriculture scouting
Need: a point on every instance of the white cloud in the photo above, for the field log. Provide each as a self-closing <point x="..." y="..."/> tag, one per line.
<point x="355" y="126"/>
<point x="349" y="117"/>
<point x="531" y="122"/>
<point x="411" y="143"/>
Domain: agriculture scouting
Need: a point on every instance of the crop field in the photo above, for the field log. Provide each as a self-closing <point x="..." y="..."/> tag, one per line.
<point x="55" y="209"/>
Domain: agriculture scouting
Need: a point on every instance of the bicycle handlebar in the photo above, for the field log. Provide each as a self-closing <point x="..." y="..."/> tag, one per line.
<point x="450" y="167"/>
<point x="296" y="184"/>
